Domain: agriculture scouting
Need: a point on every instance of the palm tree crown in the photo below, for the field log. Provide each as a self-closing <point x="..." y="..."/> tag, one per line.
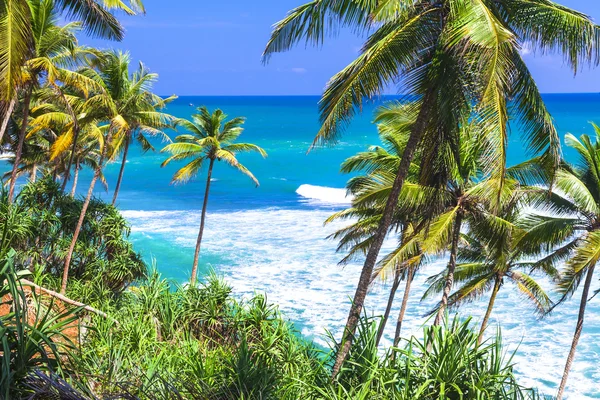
<point x="210" y="137"/>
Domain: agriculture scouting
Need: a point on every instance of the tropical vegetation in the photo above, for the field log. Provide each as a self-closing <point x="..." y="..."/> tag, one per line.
<point x="83" y="316"/>
<point x="462" y="60"/>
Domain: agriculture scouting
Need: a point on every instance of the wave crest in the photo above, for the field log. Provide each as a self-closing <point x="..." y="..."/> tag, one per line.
<point x="324" y="194"/>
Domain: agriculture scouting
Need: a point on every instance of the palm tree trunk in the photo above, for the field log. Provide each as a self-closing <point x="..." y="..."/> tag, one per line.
<point x="125" y="151"/>
<point x="578" y="329"/>
<point x="451" y="267"/>
<point x="75" y="137"/>
<point x="388" y="308"/>
<point x="9" y="111"/>
<point x="33" y="173"/>
<point x="21" y="140"/>
<point x="75" y="177"/>
<point x="409" y="278"/>
<point x="488" y="313"/>
<point x="386" y="220"/>
<point x="70" y="163"/>
<point x="202" y="219"/>
<point x="86" y="203"/>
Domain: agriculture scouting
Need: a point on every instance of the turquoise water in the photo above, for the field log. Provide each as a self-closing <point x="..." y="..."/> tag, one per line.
<point x="272" y="239"/>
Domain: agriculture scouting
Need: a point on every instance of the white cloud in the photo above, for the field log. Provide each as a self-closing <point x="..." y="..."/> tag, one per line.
<point x="298" y="70"/>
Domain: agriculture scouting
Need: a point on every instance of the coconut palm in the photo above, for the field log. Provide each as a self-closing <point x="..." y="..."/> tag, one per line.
<point x="450" y="54"/>
<point x="572" y="226"/>
<point x="102" y="137"/>
<point x="132" y="106"/>
<point x="211" y="138"/>
<point x="369" y="193"/>
<point x="497" y="250"/>
<point x="55" y="49"/>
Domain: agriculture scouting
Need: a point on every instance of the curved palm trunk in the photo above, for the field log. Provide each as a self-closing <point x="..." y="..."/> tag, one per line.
<point x="386" y="220"/>
<point x="202" y="219"/>
<point x="488" y="313"/>
<point x="19" y="152"/>
<point x="75" y="177"/>
<point x="122" y="170"/>
<point x="451" y="267"/>
<point x="578" y="329"/>
<point x="86" y="203"/>
<point x="409" y="278"/>
<point x="9" y="111"/>
<point x="388" y="308"/>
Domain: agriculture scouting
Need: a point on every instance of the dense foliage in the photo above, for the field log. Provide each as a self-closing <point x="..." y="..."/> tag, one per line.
<point x="202" y="343"/>
<point x="40" y="224"/>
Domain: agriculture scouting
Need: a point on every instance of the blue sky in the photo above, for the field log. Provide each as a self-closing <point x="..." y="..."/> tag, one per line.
<point x="203" y="47"/>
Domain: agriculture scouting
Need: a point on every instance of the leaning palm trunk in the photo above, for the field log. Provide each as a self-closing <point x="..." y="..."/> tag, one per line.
<point x="577" y="335"/>
<point x="451" y="267"/>
<point x="388" y="308"/>
<point x="409" y="278"/>
<point x="202" y="219"/>
<point x="33" y="173"/>
<point x="71" y="158"/>
<point x="86" y="203"/>
<point x="9" y="111"/>
<point x="122" y="170"/>
<point x="75" y="177"/>
<point x="488" y="312"/>
<point x="21" y="140"/>
<point x="382" y="230"/>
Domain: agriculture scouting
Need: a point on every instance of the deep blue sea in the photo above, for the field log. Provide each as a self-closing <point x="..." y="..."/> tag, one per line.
<point x="271" y="239"/>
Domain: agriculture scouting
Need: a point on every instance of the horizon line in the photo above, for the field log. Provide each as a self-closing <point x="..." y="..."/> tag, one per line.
<point x="319" y="95"/>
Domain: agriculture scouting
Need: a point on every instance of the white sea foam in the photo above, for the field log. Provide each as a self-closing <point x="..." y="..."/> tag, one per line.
<point x="322" y="194"/>
<point x="284" y="253"/>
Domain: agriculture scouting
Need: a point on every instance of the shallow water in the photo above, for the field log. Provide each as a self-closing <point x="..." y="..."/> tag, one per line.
<point x="272" y="239"/>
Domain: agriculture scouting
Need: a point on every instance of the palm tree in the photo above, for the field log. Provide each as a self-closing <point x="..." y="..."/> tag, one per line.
<point x="55" y="48"/>
<point x="496" y="249"/>
<point x="369" y="193"/>
<point x="17" y="34"/>
<point x="133" y="107"/>
<point x="211" y="137"/>
<point x="573" y="227"/>
<point x="103" y="135"/>
<point x="450" y="54"/>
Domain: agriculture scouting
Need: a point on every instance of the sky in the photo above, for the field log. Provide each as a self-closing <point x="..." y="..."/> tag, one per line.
<point x="201" y="47"/>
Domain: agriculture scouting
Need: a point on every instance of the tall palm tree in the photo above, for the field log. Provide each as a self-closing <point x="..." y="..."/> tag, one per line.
<point x="573" y="228"/>
<point x="450" y="54"/>
<point x="103" y="135"/>
<point x="55" y="48"/>
<point x="497" y="249"/>
<point x="133" y="107"/>
<point x="369" y="193"/>
<point x="211" y="138"/>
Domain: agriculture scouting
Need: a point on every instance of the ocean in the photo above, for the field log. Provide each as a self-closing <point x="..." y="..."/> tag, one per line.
<point x="271" y="239"/>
